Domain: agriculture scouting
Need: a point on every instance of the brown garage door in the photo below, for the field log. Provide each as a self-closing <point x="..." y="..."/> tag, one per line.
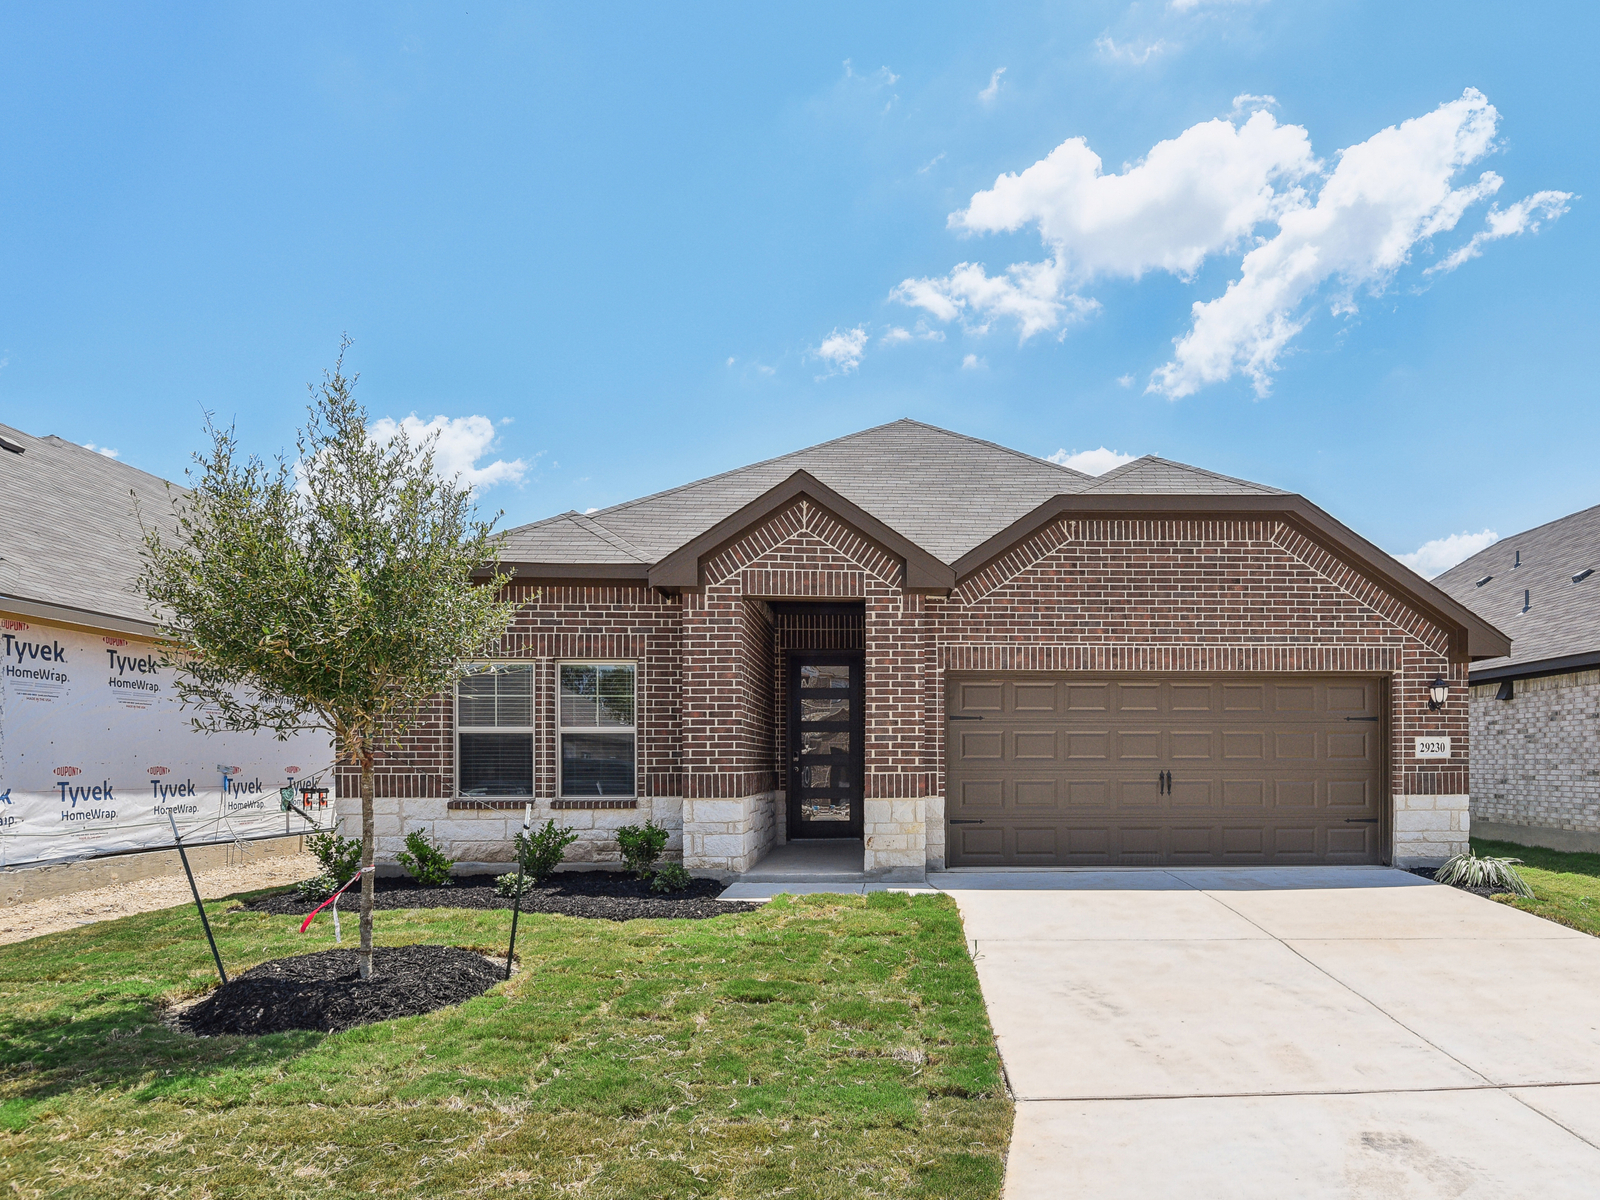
<point x="1132" y="770"/>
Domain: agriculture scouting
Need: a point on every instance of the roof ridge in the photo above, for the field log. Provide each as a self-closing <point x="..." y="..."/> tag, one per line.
<point x="584" y="521"/>
<point x="1171" y="462"/>
<point x="765" y="462"/>
<point x="57" y="440"/>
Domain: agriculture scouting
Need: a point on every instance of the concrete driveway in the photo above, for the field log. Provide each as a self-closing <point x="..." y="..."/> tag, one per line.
<point x="1312" y="1032"/>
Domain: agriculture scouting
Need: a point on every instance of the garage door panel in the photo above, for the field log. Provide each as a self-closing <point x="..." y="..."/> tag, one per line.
<point x="1034" y="745"/>
<point x="981" y="697"/>
<point x="1043" y="699"/>
<point x="1036" y="841"/>
<point x="1137" y="793"/>
<point x="1036" y="794"/>
<point x="1191" y="697"/>
<point x="1294" y="698"/>
<point x="1191" y="745"/>
<point x="1092" y="746"/>
<point x="1142" y="745"/>
<point x="1148" y="770"/>
<point x="1244" y="745"/>
<point x="1292" y="745"/>
<point x="1138" y="697"/>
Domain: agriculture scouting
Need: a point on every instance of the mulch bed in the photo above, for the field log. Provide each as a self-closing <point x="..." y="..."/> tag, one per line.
<point x="324" y="991"/>
<point x="602" y="895"/>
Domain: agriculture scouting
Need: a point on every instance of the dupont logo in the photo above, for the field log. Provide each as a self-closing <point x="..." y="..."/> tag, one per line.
<point x="156" y="771"/>
<point x="111" y="641"/>
<point x="291" y="770"/>
<point x="68" y="772"/>
<point x="19" y="625"/>
<point x="227" y="770"/>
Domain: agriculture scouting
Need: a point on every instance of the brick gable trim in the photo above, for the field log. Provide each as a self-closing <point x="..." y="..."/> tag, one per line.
<point x="1470" y="635"/>
<point x="682" y="569"/>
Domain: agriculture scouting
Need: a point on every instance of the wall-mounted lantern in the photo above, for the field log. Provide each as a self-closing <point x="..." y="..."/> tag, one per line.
<point x="1438" y="690"/>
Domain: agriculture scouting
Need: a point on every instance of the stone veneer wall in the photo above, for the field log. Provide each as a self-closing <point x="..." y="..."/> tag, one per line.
<point x="1536" y="761"/>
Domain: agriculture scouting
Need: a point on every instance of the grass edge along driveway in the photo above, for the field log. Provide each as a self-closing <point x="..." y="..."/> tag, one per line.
<point x="1566" y="886"/>
<point x="826" y="1046"/>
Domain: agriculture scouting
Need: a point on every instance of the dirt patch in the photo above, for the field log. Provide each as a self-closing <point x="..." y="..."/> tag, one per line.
<point x="324" y="991"/>
<point x="19" y="922"/>
<point x="600" y="895"/>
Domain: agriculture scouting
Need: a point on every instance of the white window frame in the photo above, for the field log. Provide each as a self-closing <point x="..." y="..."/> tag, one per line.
<point x="559" y="728"/>
<point x="530" y="729"/>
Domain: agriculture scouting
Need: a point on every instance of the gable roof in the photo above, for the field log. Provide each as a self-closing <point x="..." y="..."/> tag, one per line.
<point x="72" y="537"/>
<point x="944" y="491"/>
<point x="1561" y="627"/>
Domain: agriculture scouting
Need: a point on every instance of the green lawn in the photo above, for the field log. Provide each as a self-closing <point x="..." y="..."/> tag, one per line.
<point x="1566" y="887"/>
<point x="826" y="1046"/>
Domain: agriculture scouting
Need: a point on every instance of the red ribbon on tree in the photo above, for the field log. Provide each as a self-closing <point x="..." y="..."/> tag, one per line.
<point x="333" y="900"/>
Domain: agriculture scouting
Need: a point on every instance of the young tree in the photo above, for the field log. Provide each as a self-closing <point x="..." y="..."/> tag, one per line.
<point x="332" y="592"/>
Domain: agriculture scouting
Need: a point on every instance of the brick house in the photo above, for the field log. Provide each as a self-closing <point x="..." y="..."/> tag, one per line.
<point x="1535" y="713"/>
<point x="959" y="655"/>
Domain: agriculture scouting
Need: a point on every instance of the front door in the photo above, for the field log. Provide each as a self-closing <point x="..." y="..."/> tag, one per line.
<point x="825" y="744"/>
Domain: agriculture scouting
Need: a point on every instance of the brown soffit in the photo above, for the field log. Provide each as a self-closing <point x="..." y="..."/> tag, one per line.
<point x="1472" y="636"/>
<point x="680" y="570"/>
<point x="554" y="573"/>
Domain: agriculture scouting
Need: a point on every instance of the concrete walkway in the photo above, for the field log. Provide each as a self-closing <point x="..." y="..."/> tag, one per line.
<point x="1316" y="1032"/>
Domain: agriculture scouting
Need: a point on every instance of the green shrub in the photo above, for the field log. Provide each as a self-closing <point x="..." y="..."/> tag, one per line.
<point x="641" y="846"/>
<point x="425" y="862"/>
<point x="506" y="885"/>
<point x="1499" y="874"/>
<point x="340" y="856"/>
<point x="671" y="878"/>
<point x="541" y="851"/>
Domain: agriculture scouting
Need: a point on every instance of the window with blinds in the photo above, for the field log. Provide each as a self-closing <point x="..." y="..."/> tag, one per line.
<point x="494" y="731"/>
<point x="595" y="712"/>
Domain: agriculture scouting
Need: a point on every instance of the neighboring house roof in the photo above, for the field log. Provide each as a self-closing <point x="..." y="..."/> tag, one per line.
<point x="945" y="503"/>
<point x="1560" y="629"/>
<point x="72" y="537"/>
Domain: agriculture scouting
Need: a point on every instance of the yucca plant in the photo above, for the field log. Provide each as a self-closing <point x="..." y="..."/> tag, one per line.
<point x="1500" y="874"/>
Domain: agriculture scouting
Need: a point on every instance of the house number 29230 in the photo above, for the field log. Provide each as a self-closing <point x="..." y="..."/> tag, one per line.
<point x="1433" y="747"/>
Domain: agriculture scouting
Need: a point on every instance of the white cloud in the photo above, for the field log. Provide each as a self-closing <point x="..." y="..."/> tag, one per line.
<point x="102" y="450"/>
<point x="1092" y="462"/>
<point x="989" y="93"/>
<point x="1137" y="53"/>
<point x="1191" y="5"/>
<point x="842" y="351"/>
<point x="1125" y="381"/>
<point x="1208" y="192"/>
<point x="897" y="336"/>
<point x="972" y="362"/>
<point x="1387" y="194"/>
<point x="731" y="360"/>
<point x="931" y="163"/>
<point x="460" y="443"/>
<point x="1521" y="217"/>
<point x="1247" y="102"/>
<point x="1433" y="558"/>
<point x="1195" y="195"/>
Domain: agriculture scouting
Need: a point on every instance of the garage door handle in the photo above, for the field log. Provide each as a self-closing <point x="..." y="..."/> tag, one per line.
<point x="1361" y="718"/>
<point x="955" y="717"/>
<point x="1361" y="820"/>
<point x="954" y="821"/>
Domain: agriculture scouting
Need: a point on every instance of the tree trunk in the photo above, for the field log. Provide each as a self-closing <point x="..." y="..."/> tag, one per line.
<point x="368" y="848"/>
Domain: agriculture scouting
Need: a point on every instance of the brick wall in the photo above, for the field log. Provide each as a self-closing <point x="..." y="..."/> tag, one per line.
<point x="1536" y="759"/>
<point x="1231" y="595"/>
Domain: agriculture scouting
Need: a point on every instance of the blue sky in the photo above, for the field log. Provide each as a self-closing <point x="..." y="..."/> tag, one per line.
<point x="645" y="244"/>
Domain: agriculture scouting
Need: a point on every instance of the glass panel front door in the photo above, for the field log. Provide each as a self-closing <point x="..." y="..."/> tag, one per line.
<point x="825" y="750"/>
